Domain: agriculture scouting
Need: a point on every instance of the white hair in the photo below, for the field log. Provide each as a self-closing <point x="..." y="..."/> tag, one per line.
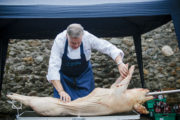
<point x="75" y="30"/>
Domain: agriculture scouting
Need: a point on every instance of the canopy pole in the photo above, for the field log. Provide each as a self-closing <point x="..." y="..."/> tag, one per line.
<point x="138" y="48"/>
<point x="3" y="51"/>
<point x="175" y="14"/>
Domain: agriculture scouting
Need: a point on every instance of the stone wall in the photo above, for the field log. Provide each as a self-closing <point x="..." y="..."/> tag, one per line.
<point x="27" y="64"/>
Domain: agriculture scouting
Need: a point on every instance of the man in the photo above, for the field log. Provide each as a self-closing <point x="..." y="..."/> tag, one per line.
<point x="70" y="70"/>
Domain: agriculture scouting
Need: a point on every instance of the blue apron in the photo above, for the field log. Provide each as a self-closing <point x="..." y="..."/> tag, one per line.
<point x="76" y="75"/>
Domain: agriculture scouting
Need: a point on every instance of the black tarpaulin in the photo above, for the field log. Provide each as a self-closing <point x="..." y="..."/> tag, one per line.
<point x="39" y="19"/>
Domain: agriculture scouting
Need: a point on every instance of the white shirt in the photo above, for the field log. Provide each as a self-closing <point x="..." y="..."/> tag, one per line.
<point x="89" y="42"/>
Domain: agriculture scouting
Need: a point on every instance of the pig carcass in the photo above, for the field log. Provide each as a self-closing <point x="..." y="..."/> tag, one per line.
<point x="101" y="101"/>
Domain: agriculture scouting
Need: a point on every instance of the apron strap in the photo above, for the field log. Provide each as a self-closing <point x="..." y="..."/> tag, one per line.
<point x="82" y="50"/>
<point x="65" y="50"/>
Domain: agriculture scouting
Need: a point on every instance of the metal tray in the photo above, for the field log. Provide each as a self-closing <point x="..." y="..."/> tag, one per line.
<point x="31" y="115"/>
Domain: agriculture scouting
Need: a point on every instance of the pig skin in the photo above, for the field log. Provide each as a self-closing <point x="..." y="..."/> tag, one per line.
<point x="101" y="101"/>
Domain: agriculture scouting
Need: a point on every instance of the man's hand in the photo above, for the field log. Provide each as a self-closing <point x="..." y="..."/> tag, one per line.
<point x="123" y="69"/>
<point x="64" y="96"/>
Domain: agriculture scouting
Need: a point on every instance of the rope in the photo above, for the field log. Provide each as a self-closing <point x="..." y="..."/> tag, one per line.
<point x="13" y="106"/>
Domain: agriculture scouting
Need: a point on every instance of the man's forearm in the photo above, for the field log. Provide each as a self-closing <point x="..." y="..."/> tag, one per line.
<point x="57" y="84"/>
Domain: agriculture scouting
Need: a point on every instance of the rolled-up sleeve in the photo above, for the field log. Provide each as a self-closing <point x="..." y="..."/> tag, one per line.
<point x="55" y="61"/>
<point x="105" y="47"/>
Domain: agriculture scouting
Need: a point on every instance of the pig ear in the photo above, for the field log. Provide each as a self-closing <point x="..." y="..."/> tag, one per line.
<point x="131" y="70"/>
<point x="122" y="86"/>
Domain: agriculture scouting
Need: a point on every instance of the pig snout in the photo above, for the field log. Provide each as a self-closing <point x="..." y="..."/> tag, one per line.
<point x="142" y="91"/>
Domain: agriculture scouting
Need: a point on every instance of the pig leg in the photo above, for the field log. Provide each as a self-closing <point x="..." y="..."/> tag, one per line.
<point x="140" y="108"/>
<point x="23" y="99"/>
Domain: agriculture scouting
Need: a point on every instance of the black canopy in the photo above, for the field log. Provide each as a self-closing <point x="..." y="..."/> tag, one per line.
<point x="22" y="19"/>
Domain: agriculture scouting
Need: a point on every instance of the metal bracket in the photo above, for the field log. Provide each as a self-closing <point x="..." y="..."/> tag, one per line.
<point x="78" y="118"/>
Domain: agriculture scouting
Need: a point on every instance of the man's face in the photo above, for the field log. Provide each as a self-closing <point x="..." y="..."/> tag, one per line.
<point x="74" y="42"/>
